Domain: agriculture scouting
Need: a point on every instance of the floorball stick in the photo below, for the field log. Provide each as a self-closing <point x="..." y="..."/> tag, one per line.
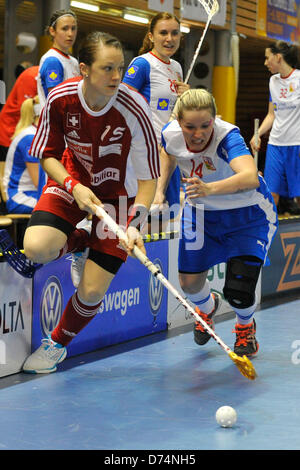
<point x="15" y="258"/>
<point x="243" y="363"/>
<point x="256" y="126"/>
<point x="211" y="7"/>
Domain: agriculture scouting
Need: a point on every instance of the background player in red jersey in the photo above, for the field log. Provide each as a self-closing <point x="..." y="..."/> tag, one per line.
<point x="111" y="159"/>
<point x="24" y="87"/>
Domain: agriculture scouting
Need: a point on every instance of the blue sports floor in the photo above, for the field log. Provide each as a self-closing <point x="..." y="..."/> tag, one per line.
<point x="162" y="392"/>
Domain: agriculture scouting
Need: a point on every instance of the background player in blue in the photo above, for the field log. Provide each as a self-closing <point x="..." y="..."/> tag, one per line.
<point x="57" y="65"/>
<point x="282" y="167"/>
<point x="229" y="214"/>
<point x="21" y="172"/>
<point x="160" y="80"/>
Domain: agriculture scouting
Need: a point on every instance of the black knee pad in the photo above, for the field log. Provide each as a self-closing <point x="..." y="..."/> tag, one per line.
<point x="242" y="274"/>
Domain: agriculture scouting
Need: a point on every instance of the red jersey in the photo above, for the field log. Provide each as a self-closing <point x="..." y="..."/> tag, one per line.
<point x="107" y="150"/>
<point x="24" y="87"/>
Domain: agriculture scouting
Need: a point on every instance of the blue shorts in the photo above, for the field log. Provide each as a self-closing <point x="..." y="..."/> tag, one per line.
<point x="282" y="170"/>
<point x="211" y="237"/>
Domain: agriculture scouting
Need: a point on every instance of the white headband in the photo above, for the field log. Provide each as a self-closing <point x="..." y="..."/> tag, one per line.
<point x="62" y="16"/>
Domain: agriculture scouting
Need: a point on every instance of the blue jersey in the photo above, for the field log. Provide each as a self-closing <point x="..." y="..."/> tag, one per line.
<point x="20" y="190"/>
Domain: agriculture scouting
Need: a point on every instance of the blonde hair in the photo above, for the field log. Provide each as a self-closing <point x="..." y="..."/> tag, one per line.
<point x="28" y="116"/>
<point x="195" y="99"/>
<point x="147" y="44"/>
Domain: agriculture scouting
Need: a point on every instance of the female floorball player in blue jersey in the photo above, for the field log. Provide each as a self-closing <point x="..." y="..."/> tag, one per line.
<point x="229" y="214"/>
<point x="160" y="80"/>
<point x="21" y="174"/>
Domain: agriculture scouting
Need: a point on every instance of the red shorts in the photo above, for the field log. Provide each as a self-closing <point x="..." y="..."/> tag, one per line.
<point x="57" y="201"/>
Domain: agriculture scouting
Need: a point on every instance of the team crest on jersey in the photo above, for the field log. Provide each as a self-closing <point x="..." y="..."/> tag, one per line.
<point x="132" y="71"/>
<point x="52" y="75"/>
<point x="292" y="88"/>
<point x="163" y="104"/>
<point x="73" y="120"/>
<point x="209" y="163"/>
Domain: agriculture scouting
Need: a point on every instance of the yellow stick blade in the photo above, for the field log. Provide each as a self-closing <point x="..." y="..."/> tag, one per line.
<point x="244" y="365"/>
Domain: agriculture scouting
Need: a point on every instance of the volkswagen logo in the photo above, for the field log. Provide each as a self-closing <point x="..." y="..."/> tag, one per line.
<point x="51" y="305"/>
<point x="155" y="290"/>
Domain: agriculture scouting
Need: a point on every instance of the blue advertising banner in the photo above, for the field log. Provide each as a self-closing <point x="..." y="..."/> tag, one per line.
<point x="279" y="19"/>
<point x="283" y="274"/>
<point x="134" y="306"/>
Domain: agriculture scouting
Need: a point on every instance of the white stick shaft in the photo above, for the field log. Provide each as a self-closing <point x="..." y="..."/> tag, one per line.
<point x="256" y="126"/>
<point x="115" y="228"/>
<point x="197" y="51"/>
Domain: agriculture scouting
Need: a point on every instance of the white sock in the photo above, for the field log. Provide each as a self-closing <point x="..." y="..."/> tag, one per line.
<point x="244" y="315"/>
<point x="203" y="299"/>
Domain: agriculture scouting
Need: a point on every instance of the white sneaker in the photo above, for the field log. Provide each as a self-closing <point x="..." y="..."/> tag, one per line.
<point x="45" y="359"/>
<point x="79" y="258"/>
<point x="77" y="265"/>
<point x="86" y="224"/>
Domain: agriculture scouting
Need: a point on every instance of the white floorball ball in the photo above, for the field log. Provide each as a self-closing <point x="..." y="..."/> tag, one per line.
<point x="226" y="416"/>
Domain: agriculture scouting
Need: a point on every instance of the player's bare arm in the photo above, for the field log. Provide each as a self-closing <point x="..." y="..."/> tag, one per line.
<point x="245" y="178"/>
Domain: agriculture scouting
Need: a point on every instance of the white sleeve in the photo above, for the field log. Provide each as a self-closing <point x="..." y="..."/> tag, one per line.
<point x="144" y="153"/>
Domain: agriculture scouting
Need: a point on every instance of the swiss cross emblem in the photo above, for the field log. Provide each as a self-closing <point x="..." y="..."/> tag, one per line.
<point x="68" y="186"/>
<point x="73" y="120"/>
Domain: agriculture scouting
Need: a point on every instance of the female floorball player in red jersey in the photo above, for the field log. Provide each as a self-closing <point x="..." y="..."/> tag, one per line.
<point x="111" y="159"/>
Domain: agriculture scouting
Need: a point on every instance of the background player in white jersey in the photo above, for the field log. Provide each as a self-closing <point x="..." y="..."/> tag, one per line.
<point x="229" y="215"/>
<point x="282" y="167"/>
<point x="21" y="174"/>
<point x="57" y="65"/>
<point x="159" y="79"/>
<point x="111" y="159"/>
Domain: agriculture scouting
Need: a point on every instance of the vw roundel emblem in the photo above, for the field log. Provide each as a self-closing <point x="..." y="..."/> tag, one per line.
<point x="155" y="290"/>
<point x="51" y="305"/>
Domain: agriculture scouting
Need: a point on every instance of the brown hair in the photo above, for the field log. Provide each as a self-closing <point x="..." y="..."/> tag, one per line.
<point x="288" y="51"/>
<point x="58" y="14"/>
<point x="90" y="44"/>
<point x="147" y="44"/>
